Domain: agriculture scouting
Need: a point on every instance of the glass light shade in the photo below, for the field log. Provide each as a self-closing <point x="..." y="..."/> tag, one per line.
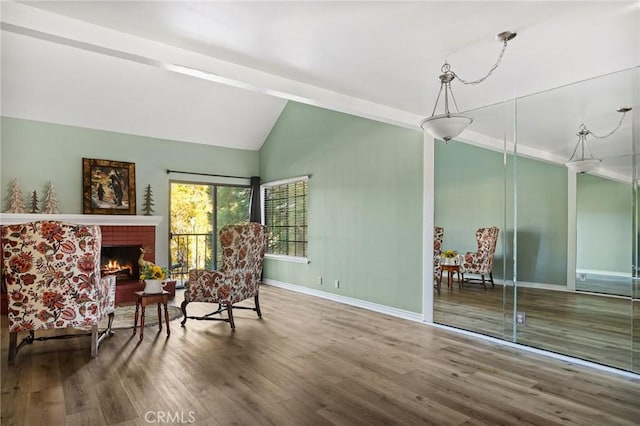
<point x="446" y="126"/>
<point x="583" y="166"/>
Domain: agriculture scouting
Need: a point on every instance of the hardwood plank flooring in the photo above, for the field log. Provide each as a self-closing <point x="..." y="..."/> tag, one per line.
<point x="309" y="361"/>
<point x="592" y="327"/>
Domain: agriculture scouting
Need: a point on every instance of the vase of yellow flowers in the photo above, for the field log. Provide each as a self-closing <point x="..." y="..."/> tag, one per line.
<point x="152" y="275"/>
<point x="450" y="257"/>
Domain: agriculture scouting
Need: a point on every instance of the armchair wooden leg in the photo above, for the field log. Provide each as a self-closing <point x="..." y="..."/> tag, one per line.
<point x="230" y="312"/>
<point x="183" y="306"/>
<point x="491" y="277"/>
<point x="483" y="283"/>
<point x="257" y="301"/>
<point x="13" y="342"/>
<point x="109" y="331"/>
<point x="94" y="340"/>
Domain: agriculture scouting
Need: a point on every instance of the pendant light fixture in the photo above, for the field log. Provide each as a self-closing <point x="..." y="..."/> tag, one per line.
<point x="579" y="161"/>
<point x="448" y="125"/>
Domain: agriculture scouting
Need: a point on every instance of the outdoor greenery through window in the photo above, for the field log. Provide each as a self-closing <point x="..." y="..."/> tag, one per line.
<point x="198" y="211"/>
<point x="285" y="208"/>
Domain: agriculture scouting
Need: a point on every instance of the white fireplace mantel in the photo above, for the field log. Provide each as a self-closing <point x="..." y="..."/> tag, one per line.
<point x="88" y="219"/>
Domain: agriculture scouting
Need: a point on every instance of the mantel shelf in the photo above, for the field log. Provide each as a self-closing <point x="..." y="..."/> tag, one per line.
<point x="88" y="219"/>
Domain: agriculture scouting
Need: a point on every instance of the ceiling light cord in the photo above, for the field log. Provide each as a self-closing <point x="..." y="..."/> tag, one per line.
<point x="481" y="79"/>
<point x="584" y="128"/>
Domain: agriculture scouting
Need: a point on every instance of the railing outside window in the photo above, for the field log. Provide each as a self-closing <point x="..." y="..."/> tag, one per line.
<point x="193" y="251"/>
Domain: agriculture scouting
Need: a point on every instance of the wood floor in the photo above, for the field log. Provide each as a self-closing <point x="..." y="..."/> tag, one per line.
<point x="592" y="327"/>
<point x="307" y="362"/>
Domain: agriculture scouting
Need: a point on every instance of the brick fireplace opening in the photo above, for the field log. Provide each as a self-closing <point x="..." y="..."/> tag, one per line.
<point x="129" y="240"/>
<point x="120" y="261"/>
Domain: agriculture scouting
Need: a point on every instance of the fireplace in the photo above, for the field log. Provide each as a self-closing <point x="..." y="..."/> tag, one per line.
<point x="120" y="261"/>
<point x="131" y="232"/>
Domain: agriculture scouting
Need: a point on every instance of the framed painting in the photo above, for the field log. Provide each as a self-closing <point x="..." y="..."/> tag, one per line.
<point x="108" y="187"/>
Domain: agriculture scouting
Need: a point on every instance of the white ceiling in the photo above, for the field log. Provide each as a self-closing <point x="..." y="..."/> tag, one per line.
<point x="71" y="62"/>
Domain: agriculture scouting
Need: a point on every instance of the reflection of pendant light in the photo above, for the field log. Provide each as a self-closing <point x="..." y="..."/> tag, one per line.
<point x="584" y="164"/>
<point x="447" y="126"/>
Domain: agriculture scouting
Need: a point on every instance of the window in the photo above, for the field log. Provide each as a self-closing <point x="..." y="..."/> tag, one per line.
<point x="285" y="204"/>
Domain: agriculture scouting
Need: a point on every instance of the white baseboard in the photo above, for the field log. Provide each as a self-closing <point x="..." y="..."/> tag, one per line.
<point x="543" y="286"/>
<point x="604" y="273"/>
<point x="527" y="284"/>
<point x="394" y="312"/>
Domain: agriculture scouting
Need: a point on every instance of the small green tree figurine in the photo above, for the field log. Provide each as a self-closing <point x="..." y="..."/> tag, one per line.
<point x="148" y="201"/>
<point x="34" y="202"/>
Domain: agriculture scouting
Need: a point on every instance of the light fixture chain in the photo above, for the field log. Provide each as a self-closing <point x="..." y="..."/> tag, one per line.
<point x="611" y="132"/>
<point x="493" y="68"/>
<point x="437" y="99"/>
<point x="454" y="100"/>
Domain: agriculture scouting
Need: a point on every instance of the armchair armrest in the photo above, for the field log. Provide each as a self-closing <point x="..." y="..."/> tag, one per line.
<point x="107" y="295"/>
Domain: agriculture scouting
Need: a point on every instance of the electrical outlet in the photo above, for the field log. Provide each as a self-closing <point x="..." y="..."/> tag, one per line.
<point x="319" y="280"/>
<point x="521" y="318"/>
<point x="337" y="283"/>
<point x="582" y="277"/>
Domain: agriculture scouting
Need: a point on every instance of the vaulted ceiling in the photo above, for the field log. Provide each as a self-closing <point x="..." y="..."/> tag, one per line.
<point x="220" y="73"/>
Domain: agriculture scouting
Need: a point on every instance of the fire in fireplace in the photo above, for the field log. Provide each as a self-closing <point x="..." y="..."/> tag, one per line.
<point x="120" y="261"/>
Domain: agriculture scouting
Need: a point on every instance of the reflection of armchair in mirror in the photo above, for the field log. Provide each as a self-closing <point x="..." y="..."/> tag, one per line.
<point x="481" y="262"/>
<point x="438" y="238"/>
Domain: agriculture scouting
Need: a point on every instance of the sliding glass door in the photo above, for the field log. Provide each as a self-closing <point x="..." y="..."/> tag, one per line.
<point x="198" y="212"/>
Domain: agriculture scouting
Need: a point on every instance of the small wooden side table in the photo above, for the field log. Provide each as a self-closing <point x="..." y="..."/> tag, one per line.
<point x="450" y="271"/>
<point x="143" y="299"/>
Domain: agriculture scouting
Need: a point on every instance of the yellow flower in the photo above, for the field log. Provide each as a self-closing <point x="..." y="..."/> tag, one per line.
<point x="157" y="272"/>
<point x="153" y="272"/>
<point x="449" y="254"/>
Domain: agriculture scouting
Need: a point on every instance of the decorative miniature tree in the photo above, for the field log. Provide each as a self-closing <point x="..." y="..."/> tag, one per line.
<point x="148" y="201"/>
<point x="34" y="202"/>
<point x="15" y="202"/>
<point x="50" y="204"/>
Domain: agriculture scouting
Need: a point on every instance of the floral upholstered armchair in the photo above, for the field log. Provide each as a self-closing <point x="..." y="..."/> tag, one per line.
<point x="438" y="238"/>
<point x="52" y="275"/>
<point x="243" y="248"/>
<point x="481" y="261"/>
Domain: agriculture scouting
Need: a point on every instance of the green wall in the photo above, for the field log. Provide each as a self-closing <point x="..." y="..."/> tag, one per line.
<point x="604" y="224"/>
<point x="365" y="204"/>
<point x="36" y="152"/>
<point x="470" y="193"/>
<point x="542" y="212"/>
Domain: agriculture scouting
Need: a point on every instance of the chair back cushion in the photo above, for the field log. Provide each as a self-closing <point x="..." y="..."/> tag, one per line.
<point x="487" y="241"/>
<point x="438" y="238"/>
<point x="52" y="275"/>
<point x="243" y="247"/>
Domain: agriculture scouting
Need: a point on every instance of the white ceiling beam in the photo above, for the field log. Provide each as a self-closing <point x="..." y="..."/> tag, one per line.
<point x="34" y="22"/>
